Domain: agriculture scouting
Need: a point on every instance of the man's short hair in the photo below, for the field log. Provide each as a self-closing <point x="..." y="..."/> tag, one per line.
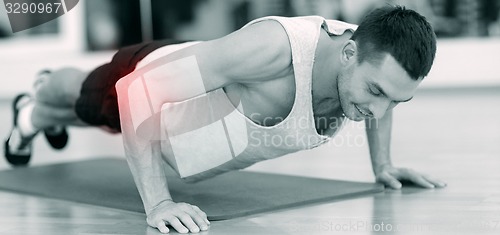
<point x="403" y="33"/>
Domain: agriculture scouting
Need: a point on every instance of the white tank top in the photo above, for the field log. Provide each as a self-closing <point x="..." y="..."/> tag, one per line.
<point x="234" y="141"/>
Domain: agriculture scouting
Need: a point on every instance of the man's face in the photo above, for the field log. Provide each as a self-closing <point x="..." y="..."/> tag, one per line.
<point x="368" y="90"/>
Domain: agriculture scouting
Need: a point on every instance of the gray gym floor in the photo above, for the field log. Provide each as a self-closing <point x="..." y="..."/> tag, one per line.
<point x="452" y="134"/>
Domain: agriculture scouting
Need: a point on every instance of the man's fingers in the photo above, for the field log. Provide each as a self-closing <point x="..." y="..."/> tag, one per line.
<point x="436" y="182"/>
<point x="391" y="176"/>
<point x="198" y="216"/>
<point x="162" y="227"/>
<point x="389" y="180"/>
<point x="417" y="179"/>
<point x="189" y="223"/>
<point x="201" y="213"/>
<point x="177" y="225"/>
<point x="183" y="217"/>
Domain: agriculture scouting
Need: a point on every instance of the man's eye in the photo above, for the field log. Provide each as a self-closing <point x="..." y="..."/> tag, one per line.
<point x="374" y="91"/>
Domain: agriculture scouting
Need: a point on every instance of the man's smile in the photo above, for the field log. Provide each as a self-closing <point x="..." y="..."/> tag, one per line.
<point x="364" y="113"/>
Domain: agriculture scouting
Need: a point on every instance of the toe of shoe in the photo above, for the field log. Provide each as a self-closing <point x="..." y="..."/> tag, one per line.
<point x="58" y="141"/>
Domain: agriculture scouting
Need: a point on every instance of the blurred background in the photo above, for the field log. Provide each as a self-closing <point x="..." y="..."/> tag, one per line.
<point x="468" y="31"/>
<point x="454" y="115"/>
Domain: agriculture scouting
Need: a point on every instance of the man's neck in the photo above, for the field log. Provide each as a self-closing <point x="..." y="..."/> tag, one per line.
<point x="327" y="66"/>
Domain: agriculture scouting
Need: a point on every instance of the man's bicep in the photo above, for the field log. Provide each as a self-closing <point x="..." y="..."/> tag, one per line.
<point x="178" y="76"/>
<point x="258" y="52"/>
<point x="251" y="54"/>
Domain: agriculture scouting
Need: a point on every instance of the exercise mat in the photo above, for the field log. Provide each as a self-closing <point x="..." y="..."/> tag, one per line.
<point x="108" y="182"/>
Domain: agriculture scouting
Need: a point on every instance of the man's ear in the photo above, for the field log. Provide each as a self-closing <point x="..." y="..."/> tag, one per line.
<point x="349" y="52"/>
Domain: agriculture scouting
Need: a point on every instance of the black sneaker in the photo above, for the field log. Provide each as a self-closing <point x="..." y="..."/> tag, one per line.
<point x="57" y="137"/>
<point x="17" y="147"/>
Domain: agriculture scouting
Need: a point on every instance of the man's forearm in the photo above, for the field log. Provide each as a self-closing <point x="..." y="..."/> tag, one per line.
<point x="379" y="139"/>
<point x="143" y="156"/>
<point x="148" y="172"/>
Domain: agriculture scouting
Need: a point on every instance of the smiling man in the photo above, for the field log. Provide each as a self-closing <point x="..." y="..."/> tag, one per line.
<point x="205" y="108"/>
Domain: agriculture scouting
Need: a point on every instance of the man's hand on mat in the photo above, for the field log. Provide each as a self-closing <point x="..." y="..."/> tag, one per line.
<point x="181" y="216"/>
<point x="392" y="177"/>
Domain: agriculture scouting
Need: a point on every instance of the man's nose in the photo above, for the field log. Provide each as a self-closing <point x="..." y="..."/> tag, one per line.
<point x="379" y="107"/>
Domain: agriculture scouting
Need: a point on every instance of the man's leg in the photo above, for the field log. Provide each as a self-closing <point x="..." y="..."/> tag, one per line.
<point x="50" y="109"/>
<point x="55" y="97"/>
<point x="71" y="97"/>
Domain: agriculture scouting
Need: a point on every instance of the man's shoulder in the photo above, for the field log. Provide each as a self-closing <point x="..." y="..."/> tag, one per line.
<point x="258" y="52"/>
